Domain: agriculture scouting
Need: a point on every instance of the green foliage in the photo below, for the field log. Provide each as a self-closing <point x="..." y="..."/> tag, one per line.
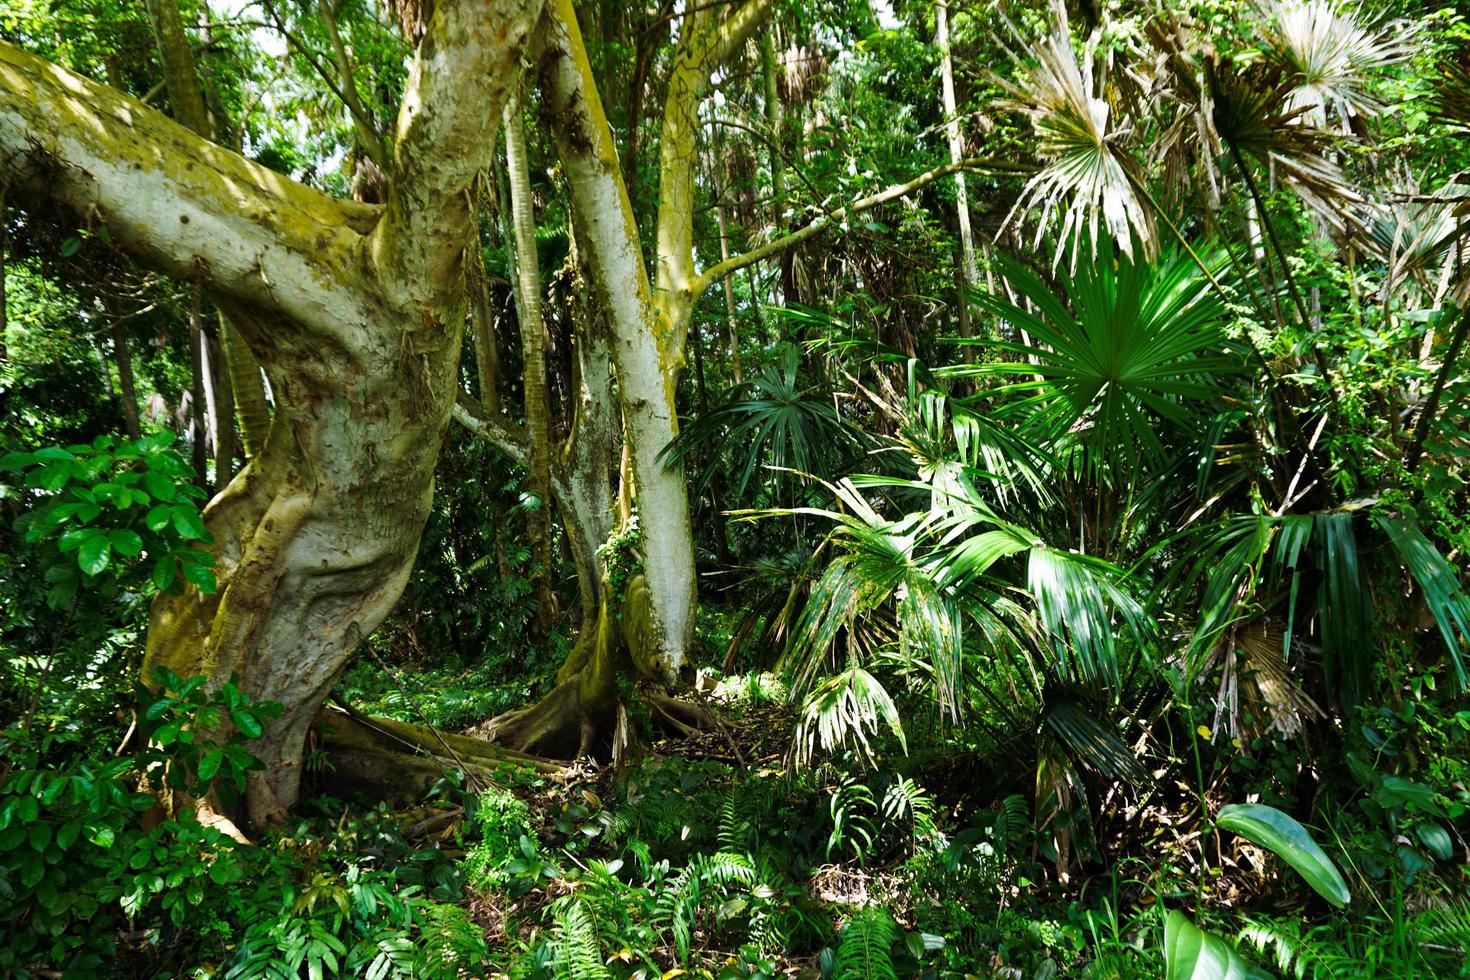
<point x="1288" y="840"/>
<point x="622" y="560"/>
<point x="507" y="854"/>
<point x="117" y="505"/>
<point x="73" y="853"/>
<point x="1190" y="953"/>
<point x="177" y="727"/>
<point x="865" y="949"/>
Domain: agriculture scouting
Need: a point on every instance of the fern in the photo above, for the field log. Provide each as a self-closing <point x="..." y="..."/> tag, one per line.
<point x="906" y="799"/>
<point x="449" y="945"/>
<point x="577" y="955"/>
<point x="677" y="907"/>
<point x="865" y="951"/>
<point x="1012" y="822"/>
<point x="850" y="826"/>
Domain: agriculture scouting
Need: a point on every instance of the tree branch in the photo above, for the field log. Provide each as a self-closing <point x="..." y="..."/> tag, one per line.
<point x="346" y="92"/>
<point x="175" y="201"/>
<point x="778" y="245"/>
<point x="367" y="131"/>
<point x="703" y="47"/>
<point x="507" y="437"/>
<point x="466" y="65"/>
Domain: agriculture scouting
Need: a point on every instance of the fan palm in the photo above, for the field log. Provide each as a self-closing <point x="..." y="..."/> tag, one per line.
<point x="1128" y="344"/>
<point x="1331" y="56"/>
<point x="772" y="421"/>
<point x="1306" y="567"/>
<point x="1089" y="175"/>
<point x="902" y="594"/>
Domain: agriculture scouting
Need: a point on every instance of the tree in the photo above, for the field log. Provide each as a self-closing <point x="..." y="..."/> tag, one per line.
<point x="355" y="311"/>
<point x="648" y="316"/>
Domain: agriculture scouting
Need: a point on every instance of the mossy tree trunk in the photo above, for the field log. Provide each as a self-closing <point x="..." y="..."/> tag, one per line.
<point x="354" y="311"/>
<point x="646" y="633"/>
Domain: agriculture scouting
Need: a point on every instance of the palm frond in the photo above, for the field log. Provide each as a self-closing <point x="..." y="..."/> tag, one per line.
<point x="1086" y="739"/>
<point x="1446" y="598"/>
<point x="773" y="422"/>
<point x="844" y="712"/>
<point x="1127" y="344"/>
<point x="1089" y="175"/>
<point x="1330" y="56"/>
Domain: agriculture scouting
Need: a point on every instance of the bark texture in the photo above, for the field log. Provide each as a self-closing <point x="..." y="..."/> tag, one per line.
<point x="355" y="313"/>
<point x="533" y="357"/>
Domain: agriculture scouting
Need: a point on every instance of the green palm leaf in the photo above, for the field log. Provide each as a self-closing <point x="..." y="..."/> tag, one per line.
<point x="1126" y="345"/>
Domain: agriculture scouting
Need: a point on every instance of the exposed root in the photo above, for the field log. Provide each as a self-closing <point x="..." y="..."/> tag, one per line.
<point x="557" y="726"/>
<point x="208" y="816"/>
<point x="393" y="759"/>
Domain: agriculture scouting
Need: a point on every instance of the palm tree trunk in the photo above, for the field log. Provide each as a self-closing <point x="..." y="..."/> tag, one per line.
<point x="224" y="409"/>
<point x="961" y="194"/>
<point x="487" y="350"/>
<point x="533" y="350"/>
<point x="247" y="389"/>
<point x="1431" y="405"/>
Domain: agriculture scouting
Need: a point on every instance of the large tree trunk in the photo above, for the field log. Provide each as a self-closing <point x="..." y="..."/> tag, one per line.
<point x="314" y="539"/>
<point x="645" y="372"/>
<point x="356" y="313"/>
<point x="649" y="633"/>
<point x="587" y="457"/>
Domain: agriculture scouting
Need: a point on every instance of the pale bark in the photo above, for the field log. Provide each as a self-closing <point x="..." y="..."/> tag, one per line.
<point x="646" y="381"/>
<point x="956" y="155"/>
<point x="356" y="318"/>
<point x="588" y="453"/>
<point x="533" y="358"/>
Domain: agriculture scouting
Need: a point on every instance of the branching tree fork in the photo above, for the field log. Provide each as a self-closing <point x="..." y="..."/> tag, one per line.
<point x="356" y="313"/>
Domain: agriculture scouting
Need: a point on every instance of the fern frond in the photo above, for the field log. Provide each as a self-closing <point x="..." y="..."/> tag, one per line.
<point x="578" y="956"/>
<point x="865" y="951"/>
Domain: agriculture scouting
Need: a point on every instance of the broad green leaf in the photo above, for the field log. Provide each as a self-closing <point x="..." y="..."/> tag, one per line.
<point x="187" y="523"/>
<point x="248" y="724"/>
<point x="209" y="765"/>
<point x="126" y="543"/>
<point x="94" y="554"/>
<point x="1190" y="953"/>
<point x="1288" y="840"/>
<point x="160" y="486"/>
<point x="158" y="517"/>
<point x="163" y="572"/>
<point x="15" y="461"/>
<point x="1436" y="839"/>
<point x="200" y="577"/>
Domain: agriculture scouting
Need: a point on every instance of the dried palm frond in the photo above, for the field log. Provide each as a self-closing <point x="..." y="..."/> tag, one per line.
<point x="1329" y="54"/>
<point x="1089" y="176"/>
<point x="1257" y="694"/>
<point x="1421" y="238"/>
<point x="1452" y="85"/>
